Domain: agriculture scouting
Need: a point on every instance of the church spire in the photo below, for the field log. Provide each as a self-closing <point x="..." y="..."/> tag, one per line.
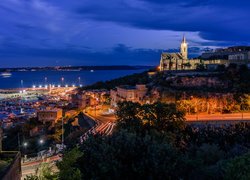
<point x="184" y="39"/>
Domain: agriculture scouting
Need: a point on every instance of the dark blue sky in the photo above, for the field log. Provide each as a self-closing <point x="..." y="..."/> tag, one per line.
<point x="115" y="32"/>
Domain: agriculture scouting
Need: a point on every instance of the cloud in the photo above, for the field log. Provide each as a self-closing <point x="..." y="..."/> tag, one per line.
<point x="120" y="54"/>
<point x="119" y="31"/>
<point x="215" y="20"/>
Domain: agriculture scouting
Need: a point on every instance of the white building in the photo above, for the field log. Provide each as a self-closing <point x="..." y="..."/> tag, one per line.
<point x="128" y="93"/>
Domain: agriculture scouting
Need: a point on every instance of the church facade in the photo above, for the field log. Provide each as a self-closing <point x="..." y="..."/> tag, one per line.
<point x="176" y="61"/>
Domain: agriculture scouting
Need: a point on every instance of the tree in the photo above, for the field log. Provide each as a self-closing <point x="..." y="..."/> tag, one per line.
<point x="43" y="172"/>
<point x="161" y="116"/>
<point x="129" y="155"/>
<point x="152" y="141"/>
<point x="221" y="68"/>
<point x="238" y="168"/>
<point x="31" y="177"/>
<point x="168" y="117"/>
<point x="128" y="115"/>
<point x="68" y="168"/>
<point x="200" y="67"/>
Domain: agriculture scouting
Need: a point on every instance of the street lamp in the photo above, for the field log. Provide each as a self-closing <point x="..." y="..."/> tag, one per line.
<point x="62" y="135"/>
<point x="41" y="141"/>
<point x="25" y="144"/>
<point x="79" y="80"/>
<point x="62" y="80"/>
<point x="21" y="83"/>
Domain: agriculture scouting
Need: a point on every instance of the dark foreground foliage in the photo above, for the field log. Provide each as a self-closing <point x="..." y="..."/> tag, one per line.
<point x="154" y="142"/>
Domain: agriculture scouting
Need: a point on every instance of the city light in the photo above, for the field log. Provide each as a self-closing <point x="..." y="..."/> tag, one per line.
<point x="41" y="141"/>
<point x="66" y="85"/>
<point x="46" y="86"/>
<point x="34" y="86"/>
<point x="59" y="86"/>
<point x="73" y="85"/>
<point x="40" y="86"/>
<point x="25" y="144"/>
<point x="53" y="86"/>
<point x="80" y="85"/>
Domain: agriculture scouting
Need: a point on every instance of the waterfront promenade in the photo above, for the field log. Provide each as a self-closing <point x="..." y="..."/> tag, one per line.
<point x="27" y="92"/>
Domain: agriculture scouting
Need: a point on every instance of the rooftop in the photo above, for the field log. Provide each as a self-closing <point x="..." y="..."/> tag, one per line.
<point x="171" y="55"/>
<point x="127" y="87"/>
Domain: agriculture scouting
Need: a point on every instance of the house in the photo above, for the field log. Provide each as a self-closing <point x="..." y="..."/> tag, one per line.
<point x="128" y="93"/>
<point x="49" y="115"/>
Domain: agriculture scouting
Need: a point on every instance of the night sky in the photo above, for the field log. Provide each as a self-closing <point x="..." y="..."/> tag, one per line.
<point x="115" y="32"/>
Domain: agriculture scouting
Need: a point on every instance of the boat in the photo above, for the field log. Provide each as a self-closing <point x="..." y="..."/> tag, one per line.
<point x="6" y="74"/>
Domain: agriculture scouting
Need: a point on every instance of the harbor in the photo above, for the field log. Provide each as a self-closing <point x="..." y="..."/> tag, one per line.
<point x="18" y="105"/>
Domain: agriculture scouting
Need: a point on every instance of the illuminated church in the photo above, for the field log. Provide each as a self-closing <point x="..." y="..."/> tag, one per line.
<point x="176" y="61"/>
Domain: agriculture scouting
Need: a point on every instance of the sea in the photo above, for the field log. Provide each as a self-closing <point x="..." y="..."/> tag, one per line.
<point x="29" y="79"/>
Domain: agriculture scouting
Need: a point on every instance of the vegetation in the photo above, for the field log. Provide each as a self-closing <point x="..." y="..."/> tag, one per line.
<point x="139" y="78"/>
<point x="4" y="163"/>
<point x="43" y="173"/>
<point x="68" y="168"/>
<point x="154" y="142"/>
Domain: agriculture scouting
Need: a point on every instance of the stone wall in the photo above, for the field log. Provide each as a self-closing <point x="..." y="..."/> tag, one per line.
<point x="211" y="82"/>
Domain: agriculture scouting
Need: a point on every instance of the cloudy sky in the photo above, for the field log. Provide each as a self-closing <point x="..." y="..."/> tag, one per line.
<point x="115" y="32"/>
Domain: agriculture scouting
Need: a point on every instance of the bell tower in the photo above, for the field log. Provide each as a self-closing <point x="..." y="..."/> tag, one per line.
<point x="184" y="48"/>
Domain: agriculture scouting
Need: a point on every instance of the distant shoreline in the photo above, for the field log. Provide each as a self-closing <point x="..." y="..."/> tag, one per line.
<point x="74" y="68"/>
<point x="62" y="77"/>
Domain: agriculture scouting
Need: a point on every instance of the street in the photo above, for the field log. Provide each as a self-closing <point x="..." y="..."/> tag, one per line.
<point x="29" y="168"/>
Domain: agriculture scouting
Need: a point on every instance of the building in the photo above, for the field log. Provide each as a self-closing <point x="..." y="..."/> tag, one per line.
<point x="80" y="101"/>
<point x="49" y="115"/>
<point x="214" y="63"/>
<point x="210" y="59"/>
<point x="128" y="93"/>
<point x="89" y="98"/>
<point x="224" y="53"/>
<point x="175" y="61"/>
<point x="178" y="61"/>
<point x="239" y="58"/>
<point x="237" y="55"/>
<point x="70" y="113"/>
